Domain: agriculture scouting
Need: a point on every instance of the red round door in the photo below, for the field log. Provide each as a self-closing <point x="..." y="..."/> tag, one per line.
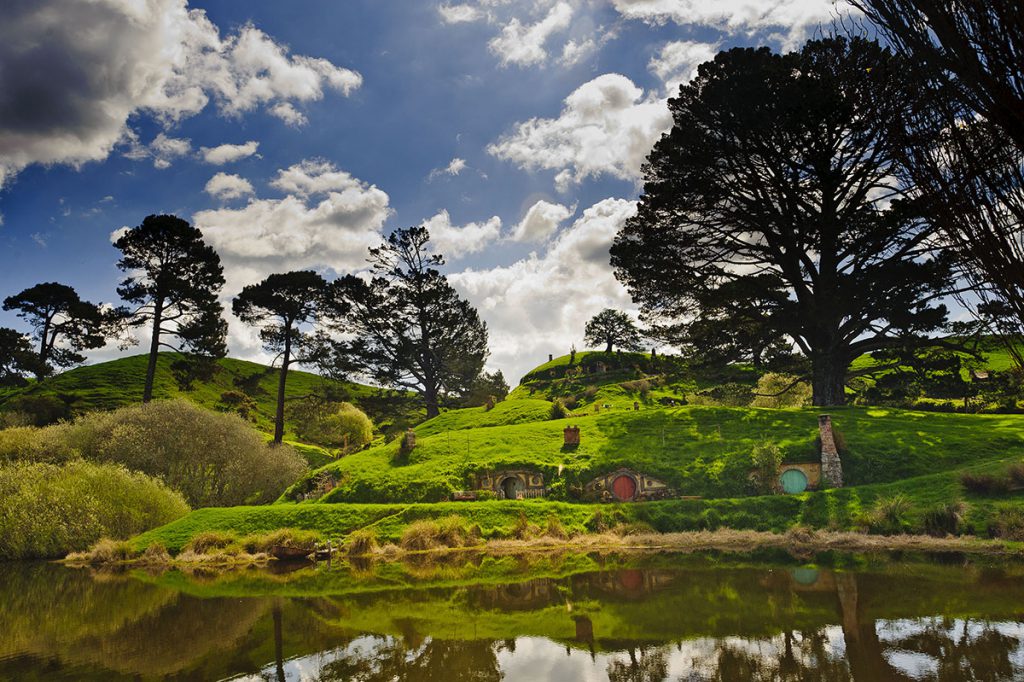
<point x="624" y="488"/>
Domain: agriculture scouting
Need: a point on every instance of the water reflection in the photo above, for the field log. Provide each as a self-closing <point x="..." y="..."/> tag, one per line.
<point x="665" y="618"/>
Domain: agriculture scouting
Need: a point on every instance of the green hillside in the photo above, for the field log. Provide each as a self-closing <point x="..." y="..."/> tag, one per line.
<point x="109" y="385"/>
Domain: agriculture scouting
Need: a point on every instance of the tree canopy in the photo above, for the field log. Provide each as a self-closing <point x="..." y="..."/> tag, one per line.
<point x="173" y="279"/>
<point x="612" y="328"/>
<point x="778" y="176"/>
<point x="407" y="327"/>
<point x="63" y="324"/>
<point x="16" y="357"/>
<point x="280" y="305"/>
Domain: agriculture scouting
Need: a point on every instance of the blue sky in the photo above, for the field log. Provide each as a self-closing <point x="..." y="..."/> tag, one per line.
<point x="296" y="133"/>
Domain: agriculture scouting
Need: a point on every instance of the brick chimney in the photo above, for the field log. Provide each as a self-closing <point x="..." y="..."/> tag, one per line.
<point x="831" y="466"/>
<point x="572" y="436"/>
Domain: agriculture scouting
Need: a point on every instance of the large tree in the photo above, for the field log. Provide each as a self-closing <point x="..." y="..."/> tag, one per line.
<point x="281" y="305"/>
<point x="173" y="279"/>
<point x="16" y="357"/>
<point x="612" y="328"/>
<point x="965" y="145"/>
<point x="406" y="326"/>
<point x="781" y="167"/>
<point x="63" y="324"/>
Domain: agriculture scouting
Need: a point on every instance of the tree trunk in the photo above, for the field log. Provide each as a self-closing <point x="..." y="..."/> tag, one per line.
<point x="828" y="382"/>
<point x="154" y="350"/>
<point x="281" y="382"/>
<point x="608" y="348"/>
<point x="430" y="398"/>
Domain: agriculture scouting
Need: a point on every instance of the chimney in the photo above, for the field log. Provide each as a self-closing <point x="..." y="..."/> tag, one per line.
<point x="572" y="436"/>
<point x="831" y="466"/>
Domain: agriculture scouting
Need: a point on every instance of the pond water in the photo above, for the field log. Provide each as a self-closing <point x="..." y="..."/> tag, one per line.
<point x="563" y="617"/>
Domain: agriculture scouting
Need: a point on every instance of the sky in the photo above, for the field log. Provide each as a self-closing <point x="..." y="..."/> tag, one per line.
<point x="296" y="134"/>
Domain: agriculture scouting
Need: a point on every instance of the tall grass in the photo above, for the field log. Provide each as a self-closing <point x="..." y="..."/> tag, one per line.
<point x="48" y="510"/>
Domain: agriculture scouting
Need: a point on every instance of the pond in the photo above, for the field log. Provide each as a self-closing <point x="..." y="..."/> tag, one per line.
<point x="557" y="617"/>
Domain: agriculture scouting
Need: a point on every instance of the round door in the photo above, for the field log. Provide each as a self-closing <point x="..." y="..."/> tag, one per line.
<point x="793" y="481"/>
<point x="511" y="487"/>
<point x="624" y="488"/>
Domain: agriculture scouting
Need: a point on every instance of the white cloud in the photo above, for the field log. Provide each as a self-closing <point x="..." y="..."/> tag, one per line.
<point x="454" y="167"/>
<point x="540" y="222"/>
<point x="540" y="304"/>
<point x="162" y="149"/>
<point x="228" y="153"/>
<point x="795" y="17"/>
<point x="606" y="126"/>
<point x="315" y="176"/>
<point x="287" y="112"/>
<point x="523" y="44"/>
<point x="459" y="14"/>
<point x="66" y="96"/>
<point x="227" y="186"/>
<point x="676" y="63"/>
<point x="454" y="242"/>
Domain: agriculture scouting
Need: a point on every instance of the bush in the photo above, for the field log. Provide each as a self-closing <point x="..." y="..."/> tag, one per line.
<point x="555" y="529"/>
<point x="333" y="424"/>
<point x="634" y="528"/>
<point x="766" y="459"/>
<point x="48" y="510"/>
<point x="420" y="536"/>
<point x="1008" y="524"/>
<point x="1016" y="474"/>
<point x="454" y="531"/>
<point x="213" y="459"/>
<point x="984" y="484"/>
<point x="945" y="519"/>
<point x="39" y="410"/>
<point x="770" y="387"/>
<point x="890" y="515"/>
<point x="282" y="537"/>
<point x="107" y="551"/>
<point x="558" y="410"/>
<point x="208" y="540"/>
<point x="361" y="542"/>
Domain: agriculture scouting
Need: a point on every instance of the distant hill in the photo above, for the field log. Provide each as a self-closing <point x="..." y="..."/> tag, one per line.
<point x="109" y="385"/>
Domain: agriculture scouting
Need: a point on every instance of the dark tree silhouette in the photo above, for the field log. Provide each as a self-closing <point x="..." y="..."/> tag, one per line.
<point x="408" y="328"/>
<point x="965" y="144"/>
<point x="612" y="328"/>
<point x="173" y="279"/>
<point x="280" y="305"/>
<point x="486" y="386"/>
<point x="780" y="167"/>
<point x="63" y="324"/>
<point x="16" y="357"/>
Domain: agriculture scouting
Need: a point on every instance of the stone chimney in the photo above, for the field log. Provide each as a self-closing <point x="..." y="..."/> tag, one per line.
<point x="550" y="357"/>
<point x="831" y="466"/>
<point x="572" y="436"/>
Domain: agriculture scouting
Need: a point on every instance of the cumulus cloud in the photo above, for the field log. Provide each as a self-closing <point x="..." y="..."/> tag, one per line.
<point x="607" y="126"/>
<point x="459" y="14"/>
<point x="454" y="167"/>
<point x="795" y="18"/>
<point x="524" y="44"/>
<point x="228" y="153"/>
<point x="287" y="112"/>
<point x="68" y="87"/>
<point x="454" y="241"/>
<point x="540" y="304"/>
<point x="162" y="149"/>
<point x="540" y="222"/>
<point x="227" y="186"/>
<point x="676" y="63"/>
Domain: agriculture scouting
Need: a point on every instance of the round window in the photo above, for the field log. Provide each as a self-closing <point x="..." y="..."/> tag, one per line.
<point x="793" y="481"/>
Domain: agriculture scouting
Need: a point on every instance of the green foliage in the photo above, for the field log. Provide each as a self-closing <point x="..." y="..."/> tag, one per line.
<point x="890" y="515"/>
<point x="766" y="459"/>
<point x="337" y="425"/>
<point x="781" y="390"/>
<point x="40" y="409"/>
<point x="984" y="484"/>
<point x="1008" y="524"/>
<point x="487" y="389"/>
<point x="612" y="328"/>
<point x="946" y="518"/>
<point x="222" y="461"/>
<point x="558" y="410"/>
<point x="48" y="510"/>
<point x="361" y="542"/>
<point x="16" y="357"/>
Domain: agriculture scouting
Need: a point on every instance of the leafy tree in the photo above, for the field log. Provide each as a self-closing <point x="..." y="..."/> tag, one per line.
<point x="612" y="328"/>
<point x="16" y="357"/>
<point x="487" y="386"/>
<point x="964" y="146"/>
<point x="280" y="305"/>
<point x="407" y="327"/>
<point x="781" y="167"/>
<point x="173" y="279"/>
<point x="57" y="314"/>
<point x="340" y="425"/>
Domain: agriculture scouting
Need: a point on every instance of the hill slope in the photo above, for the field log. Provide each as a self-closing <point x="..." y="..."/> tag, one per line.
<point x="109" y="385"/>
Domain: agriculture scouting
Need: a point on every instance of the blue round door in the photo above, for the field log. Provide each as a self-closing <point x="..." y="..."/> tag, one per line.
<point x="793" y="481"/>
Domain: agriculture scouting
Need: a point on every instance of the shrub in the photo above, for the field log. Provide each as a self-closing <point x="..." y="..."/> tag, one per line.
<point x="40" y="410"/>
<point x="420" y="536"/>
<point x="223" y="461"/>
<point x="555" y="529"/>
<point x="454" y="531"/>
<point x="361" y="542"/>
<point x="107" y="551"/>
<point x="282" y="537"/>
<point x="984" y="484"/>
<point x="155" y="555"/>
<point x="208" y="540"/>
<point x="890" y="515"/>
<point x="1008" y="524"/>
<point x="590" y="392"/>
<point x="1016" y="473"/>
<point x="766" y="459"/>
<point x="239" y="402"/>
<point x="779" y="391"/>
<point x="945" y="519"/>
<point x="334" y="424"/>
<point x="48" y="510"/>
<point x="558" y="410"/>
<point x="522" y="528"/>
<point x="634" y="528"/>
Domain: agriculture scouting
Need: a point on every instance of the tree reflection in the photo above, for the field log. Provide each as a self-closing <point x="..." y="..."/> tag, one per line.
<point x="650" y="666"/>
<point x="437" y="659"/>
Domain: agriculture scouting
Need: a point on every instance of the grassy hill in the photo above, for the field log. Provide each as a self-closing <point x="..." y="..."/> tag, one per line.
<point x="109" y="385"/>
